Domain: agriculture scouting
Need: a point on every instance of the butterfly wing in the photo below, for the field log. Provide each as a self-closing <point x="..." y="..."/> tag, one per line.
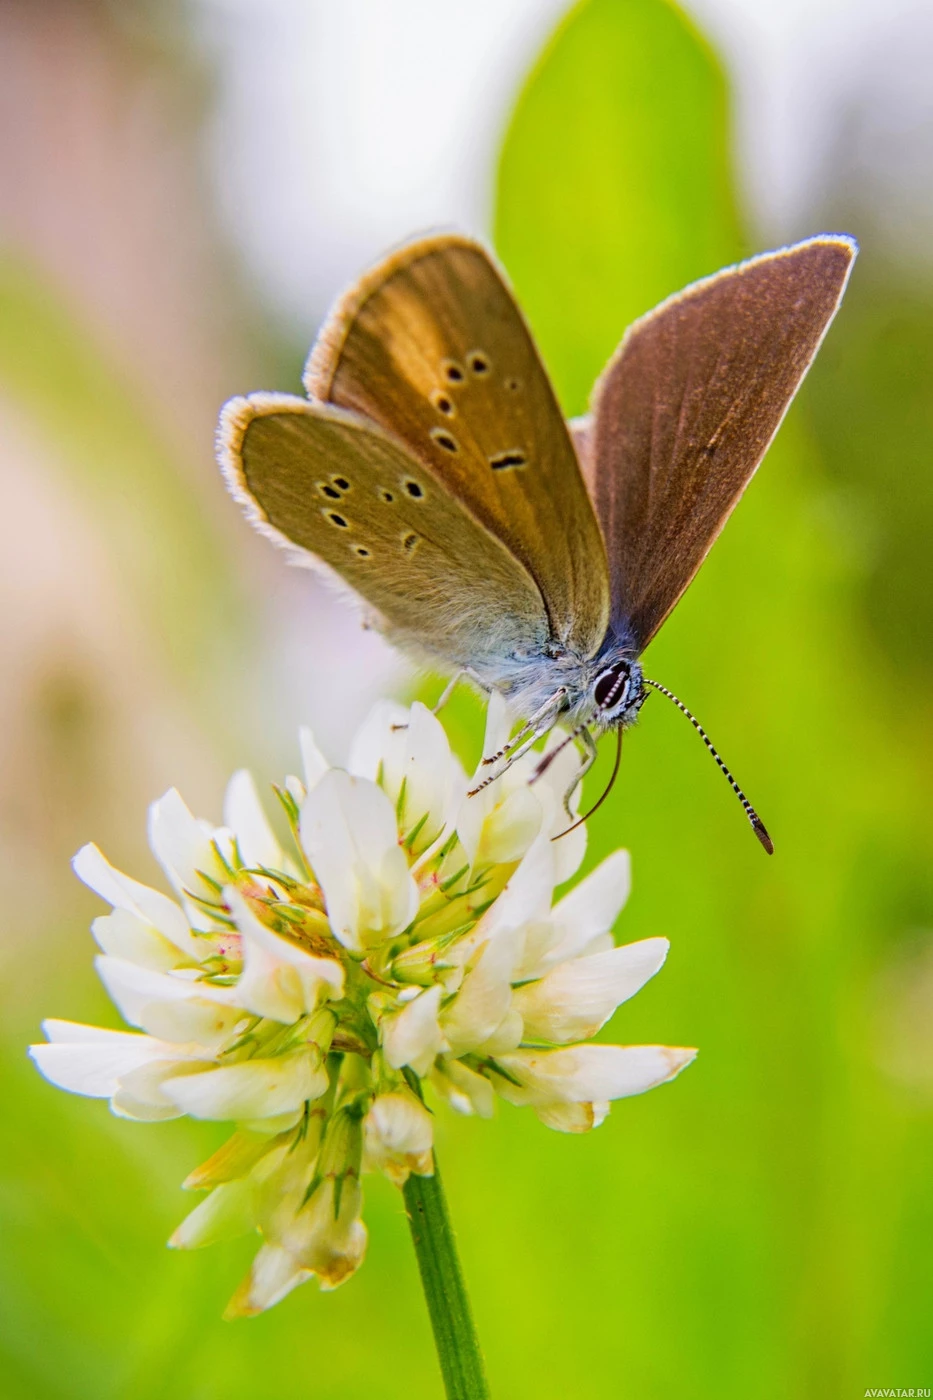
<point x="431" y="346"/>
<point x="686" y="409"/>
<point x="321" y="479"/>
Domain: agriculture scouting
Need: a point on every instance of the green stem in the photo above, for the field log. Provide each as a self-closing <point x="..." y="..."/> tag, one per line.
<point x="458" y="1349"/>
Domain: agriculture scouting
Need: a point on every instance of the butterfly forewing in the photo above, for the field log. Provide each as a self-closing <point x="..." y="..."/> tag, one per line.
<point x="684" y="413"/>
<point x="319" y="478"/>
<point x="433" y="348"/>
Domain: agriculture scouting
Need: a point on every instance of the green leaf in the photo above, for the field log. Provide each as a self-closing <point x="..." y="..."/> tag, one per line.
<point x="614" y="186"/>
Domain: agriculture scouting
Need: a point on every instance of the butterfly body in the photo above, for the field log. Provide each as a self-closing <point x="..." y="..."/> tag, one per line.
<point x="600" y="691"/>
<point x="431" y="470"/>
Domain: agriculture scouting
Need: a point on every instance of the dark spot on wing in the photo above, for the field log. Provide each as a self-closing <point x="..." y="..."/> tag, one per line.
<point x="503" y="460"/>
<point x="387" y="496"/>
<point x="328" y="491"/>
<point x="410" y="542"/>
<point x="478" y="362"/>
<point x="442" y="403"/>
<point x="361" y="551"/>
<point x="414" y="488"/>
<point x="445" y="440"/>
<point x="452" y="372"/>
<point x="338" y="520"/>
<point x="341" y="483"/>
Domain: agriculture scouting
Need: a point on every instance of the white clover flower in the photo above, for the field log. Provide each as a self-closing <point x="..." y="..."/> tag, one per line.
<point x="406" y="936"/>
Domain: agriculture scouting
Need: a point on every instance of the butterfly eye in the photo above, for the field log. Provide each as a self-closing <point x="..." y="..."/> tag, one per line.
<point x="414" y="488"/>
<point x="444" y="440"/>
<point x="478" y="362"/>
<point x="612" y="686"/>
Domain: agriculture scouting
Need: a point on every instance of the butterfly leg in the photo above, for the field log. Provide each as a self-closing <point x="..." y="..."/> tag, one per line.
<point x="531" y="723"/>
<point x="513" y="757"/>
<point x="448" y="690"/>
<point x="589" y="755"/>
<point x="546" y="717"/>
<point x="446" y="693"/>
<point x="586" y="763"/>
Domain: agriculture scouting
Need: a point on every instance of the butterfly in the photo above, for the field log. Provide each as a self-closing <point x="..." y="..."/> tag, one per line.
<point x="430" y="469"/>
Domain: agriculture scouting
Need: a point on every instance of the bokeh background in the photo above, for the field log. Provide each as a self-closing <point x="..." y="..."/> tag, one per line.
<point x="183" y="188"/>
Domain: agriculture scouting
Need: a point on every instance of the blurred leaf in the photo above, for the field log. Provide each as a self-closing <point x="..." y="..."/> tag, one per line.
<point x="872" y="409"/>
<point x="615" y="179"/>
<point x="154" y="524"/>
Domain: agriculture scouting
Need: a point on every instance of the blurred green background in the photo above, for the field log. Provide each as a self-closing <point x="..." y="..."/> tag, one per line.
<point x="764" y="1227"/>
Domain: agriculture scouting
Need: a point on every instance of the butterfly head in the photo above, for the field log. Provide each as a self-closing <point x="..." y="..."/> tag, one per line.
<point x="617" y="693"/>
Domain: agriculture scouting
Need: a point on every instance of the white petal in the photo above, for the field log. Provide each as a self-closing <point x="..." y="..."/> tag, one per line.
<point x="485" y="997"/>
<point x="377" y="732"/>
<point x="592" y="907"/>
<point x="412" y="1036"/>
<point x="527" y="896"/>
<point x="273" y="1275"/>
<point x="349" y="833"/>
<point x="578" y="924"/>
<point x="182" y="845"/>
<point x="279" y="979"/>
<point x="588" y="1073"/>
<point x="400" y="1123"/>
<point x="182" y="1008"/>
<point x="399" y="1136"/>
<point x="407" y="751"/>
<point x="90" y="1060"/>
<point x="464" y="1089"/>
<point x="577" y="997"/>
<point x="237" y="1157"/>
<point x="193" y="1020"/>
<point x="228" y="1212"/>
<point x="253" y="1089"/>
<point x="571" y="848"/>
<point x="572" y="1117"/>
<point x="297" y="789"/>
<point x="125" y="935"/>
<point x="140" y="1094"/>
<point x="503" y="833"/>
<point x="314" y="763"/>
<point x="278" y="1123"/>
<point x="118" y="889"/>
<point x="76" y="1033"/>
<point x="330" y="1243"/>
<point x="244" y="815"/>
<point x="509" y="1033"/>
<point x="498" y="726"/>
<point x="552" y="788"/>
<point x="127" y="1105"/>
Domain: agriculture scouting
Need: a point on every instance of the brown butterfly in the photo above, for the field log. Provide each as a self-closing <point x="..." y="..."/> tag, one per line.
<point x="431" y="468"/>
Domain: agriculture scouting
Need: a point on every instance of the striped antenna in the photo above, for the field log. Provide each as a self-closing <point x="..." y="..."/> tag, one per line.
<point x="758" y="825"/>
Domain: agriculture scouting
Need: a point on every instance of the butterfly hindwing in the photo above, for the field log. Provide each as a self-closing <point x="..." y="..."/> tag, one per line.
<point x="321" y="479"/>
<point x="431" y="346"/>
<point x="686" y="409"/>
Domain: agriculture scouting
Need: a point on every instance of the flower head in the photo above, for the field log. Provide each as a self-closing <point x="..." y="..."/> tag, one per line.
<point x="308" y="991"/>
